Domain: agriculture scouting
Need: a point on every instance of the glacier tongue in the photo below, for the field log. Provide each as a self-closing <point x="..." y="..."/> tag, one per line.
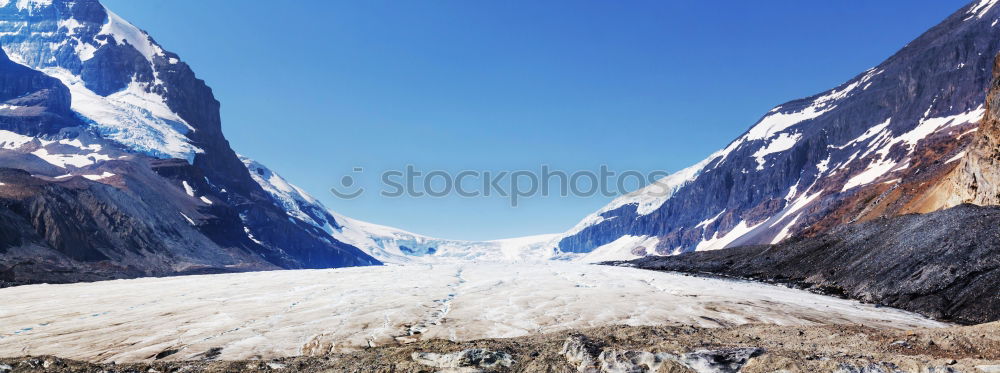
<point x="392" y="245"/>
<point x="355" y="307"/>
<point x="133" y="117"/>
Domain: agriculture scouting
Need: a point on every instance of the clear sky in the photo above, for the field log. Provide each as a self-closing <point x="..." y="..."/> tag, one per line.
<point x="315" y="88"/>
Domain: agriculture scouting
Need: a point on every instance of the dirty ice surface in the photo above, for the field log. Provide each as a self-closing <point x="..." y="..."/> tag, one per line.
<point x="285" y="313"/>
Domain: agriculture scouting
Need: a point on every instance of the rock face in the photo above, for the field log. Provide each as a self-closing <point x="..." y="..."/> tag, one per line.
<point x="591" y="356"/>
<point x="944" y="264"/>
<point x="115" y="165"/>
<point x="977" y="179"/>
<point x="31" y="102"/>
<point x="874" y="146"/>
<point x="469" y="360"/>
<point x="80" y="230"/>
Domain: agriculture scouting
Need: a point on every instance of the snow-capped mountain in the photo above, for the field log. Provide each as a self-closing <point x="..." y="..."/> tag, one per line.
<point x="877" y="145"/>
<point x="115" y="73"/>
<point x="103" y="130"/>
<point x="113" y="162"/>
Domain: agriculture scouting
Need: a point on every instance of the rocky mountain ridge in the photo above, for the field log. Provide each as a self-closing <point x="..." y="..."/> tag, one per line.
<point x="878" y="145"/>
<point x="944" y="264"/>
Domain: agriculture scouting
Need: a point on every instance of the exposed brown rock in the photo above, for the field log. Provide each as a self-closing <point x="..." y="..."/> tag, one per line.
<point x="977" y="179"/>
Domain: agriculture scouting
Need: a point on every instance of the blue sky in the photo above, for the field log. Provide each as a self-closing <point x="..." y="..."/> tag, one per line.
<point x="315" y="88"/>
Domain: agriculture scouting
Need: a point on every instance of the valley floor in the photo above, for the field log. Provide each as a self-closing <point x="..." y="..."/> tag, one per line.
<point x="268" y="315"/>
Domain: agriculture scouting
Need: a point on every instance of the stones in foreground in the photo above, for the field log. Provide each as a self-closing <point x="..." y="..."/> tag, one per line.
<point x="590" y="356"/>
<point x="465" y="361"/>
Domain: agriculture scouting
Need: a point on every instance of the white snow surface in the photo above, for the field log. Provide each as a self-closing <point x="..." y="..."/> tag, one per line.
<point x="880" y="130"/>
<point x="124" y="32"/>
<point x="874" y="171"/>
<point x="721" y="241"/>
<point x="624" y="248"/>
<point x="652" y="196"/>
<point x="65" y="153"/>
<point x="956" y="157"/>
<point x="13" y="140"/>
<point x="287" y="313"/>
<point x="187" y="188"/>
<point x="778" y="121"/>
<point x="295" y="201"/>
<point x="793" y="207"/>
<point x="388" y="245"/>
<point x="64" y="160"/>
<point x="781" y="143"/>
<point x="103" y="175"/>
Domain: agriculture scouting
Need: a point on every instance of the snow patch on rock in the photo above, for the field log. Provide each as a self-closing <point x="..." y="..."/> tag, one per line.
<point x="13" y="140"/>
<point x="781" y="143"/>
<point x="626" y="247"/>
<point x="124" y="32"/>
<point x="981" y="9"/>
<point x="721" y="242"/>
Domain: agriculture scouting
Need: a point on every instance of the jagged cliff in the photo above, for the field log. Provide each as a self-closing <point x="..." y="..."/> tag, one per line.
<point x="977" y="178"/>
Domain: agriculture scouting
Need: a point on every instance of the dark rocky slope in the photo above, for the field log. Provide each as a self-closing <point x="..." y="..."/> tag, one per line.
<point x="944" y="264"/>
<point x="34" y="103"/>
<point x="133" y="224"/>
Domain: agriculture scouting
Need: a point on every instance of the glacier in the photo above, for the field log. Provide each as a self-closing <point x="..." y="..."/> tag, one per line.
<point x="393" y="245"/>
<point x="304" y="312"/>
